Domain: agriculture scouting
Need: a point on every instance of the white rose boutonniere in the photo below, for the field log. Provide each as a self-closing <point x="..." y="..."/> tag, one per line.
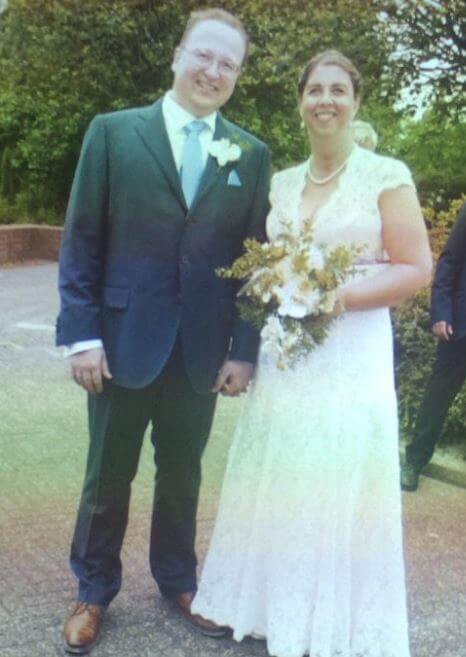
<point x="224" y="151"/>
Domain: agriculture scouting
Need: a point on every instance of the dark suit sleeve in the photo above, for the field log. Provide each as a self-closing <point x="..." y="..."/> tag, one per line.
<point x="245" y="338"/>
<point x="449" y="267"/>
<point x="83" y="243"/>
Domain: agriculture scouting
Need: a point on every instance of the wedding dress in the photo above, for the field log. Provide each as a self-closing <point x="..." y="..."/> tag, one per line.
<point x="307" y="547"/>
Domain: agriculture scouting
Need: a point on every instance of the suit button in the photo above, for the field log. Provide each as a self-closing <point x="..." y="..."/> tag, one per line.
<point x="184" y="260"/>
<point x="190" y="221"/>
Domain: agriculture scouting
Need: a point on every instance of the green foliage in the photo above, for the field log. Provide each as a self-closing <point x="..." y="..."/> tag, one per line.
<point x="7" y="177"/>
<point x="63" y="61"/>
<point x="417" y="344"/>
<point x="254" y="314"/>
<point x="432" y="49"/>
<point x="434" y="149"/>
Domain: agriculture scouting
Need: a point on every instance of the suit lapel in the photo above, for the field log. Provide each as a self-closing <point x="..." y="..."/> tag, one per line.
<point x="152" y="131"/>
<point x="211" y="172"/>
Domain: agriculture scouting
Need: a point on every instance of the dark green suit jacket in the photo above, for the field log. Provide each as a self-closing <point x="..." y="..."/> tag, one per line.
<point x="137" y="267"/>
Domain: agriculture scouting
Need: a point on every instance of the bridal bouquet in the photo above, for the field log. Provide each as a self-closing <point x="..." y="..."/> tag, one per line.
<point x="290" y="289"/>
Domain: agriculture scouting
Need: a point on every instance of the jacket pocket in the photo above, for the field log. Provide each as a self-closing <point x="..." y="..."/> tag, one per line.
<point x="116" y="297"/>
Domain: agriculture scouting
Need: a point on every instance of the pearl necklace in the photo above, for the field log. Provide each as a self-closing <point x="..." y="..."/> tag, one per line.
<point x="324" y="181"/>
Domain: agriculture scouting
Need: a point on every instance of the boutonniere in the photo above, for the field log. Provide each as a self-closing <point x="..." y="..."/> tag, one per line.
<point x="225" y="151"/>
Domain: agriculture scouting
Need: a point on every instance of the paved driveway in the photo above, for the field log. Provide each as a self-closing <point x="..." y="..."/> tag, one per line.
<point x="42" y="450"/>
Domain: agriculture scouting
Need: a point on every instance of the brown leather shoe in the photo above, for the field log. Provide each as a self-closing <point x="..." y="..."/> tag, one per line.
<point x="182" y="603"/>
<point x="82" y="628"/>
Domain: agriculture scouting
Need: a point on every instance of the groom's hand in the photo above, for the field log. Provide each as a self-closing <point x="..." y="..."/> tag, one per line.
<point x="88" y="368"/>
<point x="233" y="377"/>
<point x="443" y="330"/>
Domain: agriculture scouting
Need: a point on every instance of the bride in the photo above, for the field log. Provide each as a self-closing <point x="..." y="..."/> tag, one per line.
<point x="307" y="547"/>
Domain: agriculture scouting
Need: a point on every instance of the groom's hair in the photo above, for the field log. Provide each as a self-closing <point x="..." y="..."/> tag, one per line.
<point x="221" y="16"/>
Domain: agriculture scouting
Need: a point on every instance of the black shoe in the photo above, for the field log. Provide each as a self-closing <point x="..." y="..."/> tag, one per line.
<point x="409" y="477"/>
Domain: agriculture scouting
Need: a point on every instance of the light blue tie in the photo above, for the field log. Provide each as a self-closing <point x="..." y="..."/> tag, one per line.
<point x="192" y="164"/>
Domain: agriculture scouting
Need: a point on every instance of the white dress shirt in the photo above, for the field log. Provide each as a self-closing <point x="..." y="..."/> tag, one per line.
<point x="175" y="118"/>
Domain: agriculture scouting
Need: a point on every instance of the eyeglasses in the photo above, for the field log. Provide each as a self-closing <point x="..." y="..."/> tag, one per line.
<point x="205" y="58"/>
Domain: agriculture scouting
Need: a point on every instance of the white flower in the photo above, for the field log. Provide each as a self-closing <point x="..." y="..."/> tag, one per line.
<point x="296" y="302"/>
<point x="272" y="335"/>
<point x="291" y="307"/>
<point x="266" y="296"/>
<point x="311" y="301"/>
<point x="224" y="151"/>
<point x="273" y="329"/>
<point x="316" y="257"/>
<point x="284" y="269"/>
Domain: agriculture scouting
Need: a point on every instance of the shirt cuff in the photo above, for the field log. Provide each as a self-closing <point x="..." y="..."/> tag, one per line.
<point x="84" y="345"/>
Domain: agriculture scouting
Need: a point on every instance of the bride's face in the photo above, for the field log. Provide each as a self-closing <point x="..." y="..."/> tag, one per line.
<point x="328" y="103"/>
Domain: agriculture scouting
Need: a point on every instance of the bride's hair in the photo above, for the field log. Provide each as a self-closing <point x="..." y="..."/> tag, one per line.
<point x="329" y="58"/>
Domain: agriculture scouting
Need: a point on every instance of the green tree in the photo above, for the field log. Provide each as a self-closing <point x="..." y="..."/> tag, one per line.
<point x="431" y="50"/>
<point x="434" y="150"/>
<point x="63" y="61"/>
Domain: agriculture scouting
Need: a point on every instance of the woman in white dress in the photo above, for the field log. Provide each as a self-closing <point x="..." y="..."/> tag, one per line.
<point x="307" y="547"/>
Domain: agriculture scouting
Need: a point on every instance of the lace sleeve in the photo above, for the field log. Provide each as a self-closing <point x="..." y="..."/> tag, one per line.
<point x="393" y="174"/>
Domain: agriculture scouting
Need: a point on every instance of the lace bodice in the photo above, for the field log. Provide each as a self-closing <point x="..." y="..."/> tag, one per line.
<point x="351" y="214"/>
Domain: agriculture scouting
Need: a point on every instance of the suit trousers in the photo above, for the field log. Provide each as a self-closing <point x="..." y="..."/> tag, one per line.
<point x="447" y="378"/>
<point x="118" y="417"/>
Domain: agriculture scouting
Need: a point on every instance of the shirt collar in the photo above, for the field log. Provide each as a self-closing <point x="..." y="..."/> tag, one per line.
<point x="177" y="117"/>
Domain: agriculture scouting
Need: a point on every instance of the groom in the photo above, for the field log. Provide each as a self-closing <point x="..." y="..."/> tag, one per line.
<point x="151" y="330"/>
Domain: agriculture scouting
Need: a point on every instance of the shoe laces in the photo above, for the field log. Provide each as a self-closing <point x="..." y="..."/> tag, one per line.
<point x="92" y="609"/>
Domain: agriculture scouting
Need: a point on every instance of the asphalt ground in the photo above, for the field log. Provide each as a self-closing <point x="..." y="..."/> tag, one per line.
<point x="43" y="444"/>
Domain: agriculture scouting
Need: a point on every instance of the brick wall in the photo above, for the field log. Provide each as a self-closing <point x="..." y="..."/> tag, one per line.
<point x="29" y="242"/>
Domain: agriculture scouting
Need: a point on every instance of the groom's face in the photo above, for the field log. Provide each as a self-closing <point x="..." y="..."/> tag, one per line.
<point x="206" y="67"/>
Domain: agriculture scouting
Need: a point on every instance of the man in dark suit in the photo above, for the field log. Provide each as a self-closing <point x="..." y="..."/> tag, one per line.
<point x="162" y="197"/>
<point x="448" y="314"/>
